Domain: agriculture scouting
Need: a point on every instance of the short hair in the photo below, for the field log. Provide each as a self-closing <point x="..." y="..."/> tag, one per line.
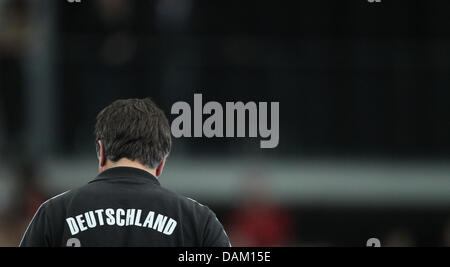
<point x="136" y="129"/>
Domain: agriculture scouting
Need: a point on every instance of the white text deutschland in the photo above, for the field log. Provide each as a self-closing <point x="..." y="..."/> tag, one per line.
<point x="123" y="218"/>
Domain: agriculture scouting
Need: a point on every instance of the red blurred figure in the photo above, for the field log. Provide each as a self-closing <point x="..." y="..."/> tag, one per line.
<point x="259" y="221"/>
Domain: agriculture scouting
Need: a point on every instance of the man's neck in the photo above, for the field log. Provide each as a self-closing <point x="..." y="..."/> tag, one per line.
<point x="128" y="163"/>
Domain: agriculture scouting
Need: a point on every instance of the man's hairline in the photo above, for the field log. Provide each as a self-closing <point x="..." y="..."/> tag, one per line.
<point x="166" y="155"/>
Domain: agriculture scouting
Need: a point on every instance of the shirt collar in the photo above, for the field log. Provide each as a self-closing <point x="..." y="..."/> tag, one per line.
<point x="127" y="173"/>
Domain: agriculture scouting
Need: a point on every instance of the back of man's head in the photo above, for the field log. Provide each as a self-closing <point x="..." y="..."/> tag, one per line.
<point x="135" y="129"/>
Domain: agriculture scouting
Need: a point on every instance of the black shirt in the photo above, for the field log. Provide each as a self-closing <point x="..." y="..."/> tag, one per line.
<point x="124" y="207"/>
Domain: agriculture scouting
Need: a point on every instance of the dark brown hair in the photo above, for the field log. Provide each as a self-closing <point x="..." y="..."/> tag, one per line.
<point x="135" y="129"/>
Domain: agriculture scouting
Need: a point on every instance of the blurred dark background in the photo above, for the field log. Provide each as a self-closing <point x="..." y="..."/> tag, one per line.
<point x="364" y="110"/>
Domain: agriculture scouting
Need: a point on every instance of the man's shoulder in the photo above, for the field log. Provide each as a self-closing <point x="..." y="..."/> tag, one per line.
<point x="186" y="202"/>
<point x="58" y="199"/>
<point x="66" y="199"/>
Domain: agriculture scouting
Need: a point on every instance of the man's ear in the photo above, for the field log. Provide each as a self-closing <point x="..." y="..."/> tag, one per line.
<point x="160" y="167"/>
<point x="101" y="157"/>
